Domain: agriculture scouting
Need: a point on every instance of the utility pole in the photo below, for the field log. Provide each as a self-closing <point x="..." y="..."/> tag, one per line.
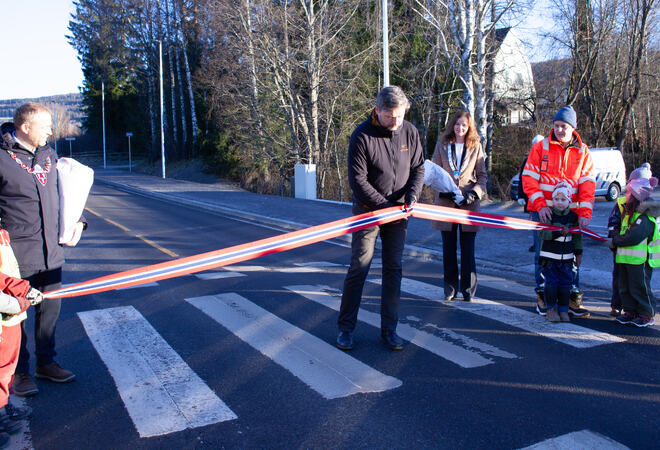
<point x="162" y="126"/>
<point x="52" y="108"/>
<point x="386" y="51"/>
<point x="103" y="118"/>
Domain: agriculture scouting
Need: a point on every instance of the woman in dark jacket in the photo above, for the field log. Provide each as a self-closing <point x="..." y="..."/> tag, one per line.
<point x="459" y="152"/>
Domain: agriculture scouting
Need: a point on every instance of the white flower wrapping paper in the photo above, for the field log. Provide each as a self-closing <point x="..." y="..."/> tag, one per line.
<point x="74" y="182"/>
<point x="440" y="180"/>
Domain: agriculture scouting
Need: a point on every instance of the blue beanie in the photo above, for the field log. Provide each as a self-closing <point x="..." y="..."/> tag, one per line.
<point x="567" y="114"/>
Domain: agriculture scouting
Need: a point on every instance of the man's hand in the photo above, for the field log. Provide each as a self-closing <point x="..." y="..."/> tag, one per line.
<point x="564" y="231"/>
<point x="77" y="232"/>
<point x="545" y="214"/>
<point x="584" y="222"/>
<point x="522" y="202"/>
<point x="578" y="260"/>
<point x="34" y="296"/>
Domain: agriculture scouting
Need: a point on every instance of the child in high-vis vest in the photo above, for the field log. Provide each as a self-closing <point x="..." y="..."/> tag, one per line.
<point x="613" y="229"/>
<point x="16" y="296"/>
<point x="559" y="249"/>
<point x="637" y="252"/>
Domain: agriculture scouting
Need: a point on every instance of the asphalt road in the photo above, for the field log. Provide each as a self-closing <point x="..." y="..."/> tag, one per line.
<point x="484" y="375"/>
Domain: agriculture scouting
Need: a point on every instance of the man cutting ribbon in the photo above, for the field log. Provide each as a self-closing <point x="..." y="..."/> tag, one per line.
<point x="385" y="168"/>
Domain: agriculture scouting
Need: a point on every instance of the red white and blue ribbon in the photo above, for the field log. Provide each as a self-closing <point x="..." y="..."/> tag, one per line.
<point x="295" y="239"/>
<point x="231" y="255"/>
<point x="465" y="217"/>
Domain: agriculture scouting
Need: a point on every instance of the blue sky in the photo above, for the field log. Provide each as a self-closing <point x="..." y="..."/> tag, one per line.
<point x="41" y="62"/>
<point x="38" y="59"/>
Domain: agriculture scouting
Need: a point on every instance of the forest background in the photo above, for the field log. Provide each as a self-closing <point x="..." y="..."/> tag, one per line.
<point x="254" y="87"/>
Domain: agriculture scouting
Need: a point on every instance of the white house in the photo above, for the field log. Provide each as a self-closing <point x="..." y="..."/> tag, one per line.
<point x="513" y="82"/>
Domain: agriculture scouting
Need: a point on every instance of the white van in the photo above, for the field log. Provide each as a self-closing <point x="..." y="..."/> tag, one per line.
<point x="610" y="173"/>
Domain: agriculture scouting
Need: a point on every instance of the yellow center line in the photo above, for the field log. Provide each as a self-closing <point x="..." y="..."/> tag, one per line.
<point x="142" y="238"/>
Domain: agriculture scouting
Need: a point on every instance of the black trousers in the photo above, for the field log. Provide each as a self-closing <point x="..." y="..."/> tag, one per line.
<point x="393" y="238"/>
<point x="45" y="318"/>
<point x="635" y="288"/>
<point x="468" y="278"/>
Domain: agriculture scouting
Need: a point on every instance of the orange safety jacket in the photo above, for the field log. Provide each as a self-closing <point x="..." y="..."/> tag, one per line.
<point x="549" y="163"/>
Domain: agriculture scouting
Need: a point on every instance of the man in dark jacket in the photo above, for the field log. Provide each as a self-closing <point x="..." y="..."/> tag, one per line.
<point x="385" y="168"/>
<point x="29" y="209"/>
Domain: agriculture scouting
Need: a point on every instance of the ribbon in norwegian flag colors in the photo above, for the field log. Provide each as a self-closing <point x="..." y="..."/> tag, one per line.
<point x="231" y="255"/>
<point x="465" y="217"/>
<point x="295" y="239"/>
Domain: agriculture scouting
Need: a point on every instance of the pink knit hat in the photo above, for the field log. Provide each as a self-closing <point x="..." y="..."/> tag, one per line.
<point x="643" y="171"/>
<point x="641" y="183"/>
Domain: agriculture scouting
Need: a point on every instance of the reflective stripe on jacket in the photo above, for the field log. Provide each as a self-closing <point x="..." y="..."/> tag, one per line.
<point x="643" y="251"/>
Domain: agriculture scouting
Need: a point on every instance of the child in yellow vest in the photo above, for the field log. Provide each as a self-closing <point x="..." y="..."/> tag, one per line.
<point x="637" y="252"/>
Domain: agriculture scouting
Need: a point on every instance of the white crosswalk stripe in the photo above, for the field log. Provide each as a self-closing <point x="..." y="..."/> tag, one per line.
<point x="161" y="393"/>
<point x="324" y="368"/>
<point x="566" y="333"/>
<point x="450" y="346"/>
<point x="579" y="440"/>
<point x="218" y="275"/>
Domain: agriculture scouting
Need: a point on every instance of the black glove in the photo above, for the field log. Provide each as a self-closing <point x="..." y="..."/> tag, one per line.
<point x="448" y="195"/>
<point x="410" y="199"/>
<point x="470" y="198"/>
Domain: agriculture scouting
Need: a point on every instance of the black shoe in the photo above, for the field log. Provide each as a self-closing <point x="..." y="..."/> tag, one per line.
<point x="345" y="340"/>
<point x="392" y="340"/>
<point x="5" y="440"/>
<point x="16" y="413"/>
<point x="467" y="298"/>
<point x="8" y="425"/>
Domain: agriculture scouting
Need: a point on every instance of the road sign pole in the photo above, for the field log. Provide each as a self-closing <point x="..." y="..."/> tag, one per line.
<point x="130" y="163"/>
<point x="70" y="139"/>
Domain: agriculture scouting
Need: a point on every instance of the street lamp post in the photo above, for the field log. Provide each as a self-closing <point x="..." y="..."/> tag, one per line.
<point x="103" y="118"/>
<point x="70" y="139"/>
<point x="130" y="164"/>
<point x="386" y="51"/>
<point x="162" y="125"/>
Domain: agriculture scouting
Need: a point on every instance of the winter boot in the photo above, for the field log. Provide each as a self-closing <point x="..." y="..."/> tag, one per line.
<point x="540" y="303"/>
<point x="575" y="305"/>
<point x="552" y="314"/>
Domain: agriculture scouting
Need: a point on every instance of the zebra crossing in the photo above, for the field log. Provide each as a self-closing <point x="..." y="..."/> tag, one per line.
<point x="162" y="394"/>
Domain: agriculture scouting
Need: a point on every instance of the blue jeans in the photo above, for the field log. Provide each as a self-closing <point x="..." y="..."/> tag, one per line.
<point x="538" y="273"/>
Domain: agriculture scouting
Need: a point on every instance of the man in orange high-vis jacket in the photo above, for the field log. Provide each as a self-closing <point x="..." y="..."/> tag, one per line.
<point x="561" y="157"/>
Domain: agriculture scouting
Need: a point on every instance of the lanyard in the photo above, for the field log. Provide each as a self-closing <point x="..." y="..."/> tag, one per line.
<point x="455" y="165"/>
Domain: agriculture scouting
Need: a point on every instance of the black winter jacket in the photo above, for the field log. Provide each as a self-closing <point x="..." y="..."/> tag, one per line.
<point x="384" y="167"/>
<point x="29" y="211"/>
